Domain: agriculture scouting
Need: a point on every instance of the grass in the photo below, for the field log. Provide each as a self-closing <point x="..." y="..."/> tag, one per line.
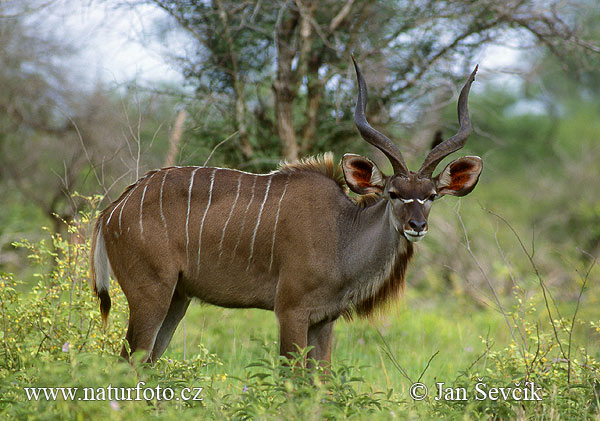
<point x="51" y="337"/>
<point x="413" y="335"/>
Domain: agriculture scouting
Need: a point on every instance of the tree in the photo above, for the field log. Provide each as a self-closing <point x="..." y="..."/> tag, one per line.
<point x="301" y="48"/>
<point x="57" y="136"/>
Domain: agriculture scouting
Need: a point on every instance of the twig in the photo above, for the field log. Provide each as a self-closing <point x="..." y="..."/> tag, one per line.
<point x="217" y="145"/>
<point x="468" y="246"/>
<point x="537" y="351"/>
<point x="585" y="279"/>
<point x="342" y="14"/>
<point x="541" y="281"/>
<point x="488" y="346"/>
<point x="138" y="137"/>
<point x="392" y="358"/>
<point x="85" y="151"/>
<point x="513" y="282"/>
<point x="427" y="366"/>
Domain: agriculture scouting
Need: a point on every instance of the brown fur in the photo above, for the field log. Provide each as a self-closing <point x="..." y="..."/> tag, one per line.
<point x="323" y="164"/>
<point x="103" y="296"/>
<point x="367" y="299"/>
<point x="366" y="200"/>
<point x="114" y="203"/>
<point x="392" y="287"/>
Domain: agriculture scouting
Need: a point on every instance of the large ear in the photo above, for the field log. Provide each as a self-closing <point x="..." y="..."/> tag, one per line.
<point x="362" y="175"/>
<point x="459" y="177"/>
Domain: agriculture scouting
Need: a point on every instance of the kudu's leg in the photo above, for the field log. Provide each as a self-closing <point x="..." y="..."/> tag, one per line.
<point x="143" y="329"/>
<point x="149" y="301"/>
<point x="177" y="309"/>
<point x="293" y="331"/>
<point x="319" y="337"/>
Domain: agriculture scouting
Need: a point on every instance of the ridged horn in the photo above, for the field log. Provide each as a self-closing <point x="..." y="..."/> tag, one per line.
<point x="458" y="140"/>
<point x="371" y="135"/>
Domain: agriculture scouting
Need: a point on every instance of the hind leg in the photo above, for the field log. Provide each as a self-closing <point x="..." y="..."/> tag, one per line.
<point x="177" y="309"/>
<point x="149" y="303"/>
<point x="144" y="324"/>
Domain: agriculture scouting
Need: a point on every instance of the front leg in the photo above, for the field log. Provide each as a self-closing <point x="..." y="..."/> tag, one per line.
<point x="293" y="331"/>
<point x="320" y="336"/>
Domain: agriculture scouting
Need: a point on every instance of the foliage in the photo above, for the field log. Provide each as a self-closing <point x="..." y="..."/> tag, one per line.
<point x="278" y="73"/>
<point x="482" y="302"/>
<point x="57" y="314"/>
<point x="571" y="390"/>
<point x="52" y="337"/>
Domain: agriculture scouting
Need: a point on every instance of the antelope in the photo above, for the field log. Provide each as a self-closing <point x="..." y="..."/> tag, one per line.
<point x="292" y="241"/>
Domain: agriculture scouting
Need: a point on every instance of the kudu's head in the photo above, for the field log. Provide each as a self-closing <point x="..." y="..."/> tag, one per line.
<point x="410" y="194"/>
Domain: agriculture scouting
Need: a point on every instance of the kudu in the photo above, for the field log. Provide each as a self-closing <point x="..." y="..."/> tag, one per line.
<point x="291" y="241"/>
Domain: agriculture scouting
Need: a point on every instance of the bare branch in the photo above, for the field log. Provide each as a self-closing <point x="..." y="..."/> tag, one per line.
<point x="339" y="18"/>
<point x="545" y="291"/>
<point x="490" y="285"/>
<point x="583" y="284"/>
<point x="216" y="146"/>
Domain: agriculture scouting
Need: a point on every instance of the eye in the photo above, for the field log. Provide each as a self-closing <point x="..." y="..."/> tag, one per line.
<point x="432" y="197"/>
<point x="394" y="195"/>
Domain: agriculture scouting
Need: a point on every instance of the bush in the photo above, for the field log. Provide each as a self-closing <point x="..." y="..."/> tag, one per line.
<point x="52" y="337"/>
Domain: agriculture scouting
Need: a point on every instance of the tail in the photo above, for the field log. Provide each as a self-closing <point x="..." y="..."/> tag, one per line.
<point x="100" y="270"/>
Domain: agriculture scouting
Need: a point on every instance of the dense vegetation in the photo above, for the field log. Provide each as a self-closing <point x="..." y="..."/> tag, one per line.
<point x="52" y="337"/>
<point x="503" y="292"/>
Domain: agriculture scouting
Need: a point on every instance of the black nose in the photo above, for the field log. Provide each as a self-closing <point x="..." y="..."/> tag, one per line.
<point x="418" y="226"/>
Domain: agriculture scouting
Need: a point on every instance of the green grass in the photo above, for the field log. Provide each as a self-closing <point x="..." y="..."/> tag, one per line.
<point x="413" y="335"/>
<point x="52" y="337"/>
<point x="232" y="354"/>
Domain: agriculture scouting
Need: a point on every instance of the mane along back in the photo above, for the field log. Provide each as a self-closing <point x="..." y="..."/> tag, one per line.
<point x="322" y="164"/>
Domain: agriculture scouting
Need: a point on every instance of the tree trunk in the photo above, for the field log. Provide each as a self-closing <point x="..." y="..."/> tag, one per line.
<point x="285" y="85"/>
<point x="175" y="139"/>
<point x="238" y="86"/>
<point x="240" y="117"/>
<point x="313" y="102"/>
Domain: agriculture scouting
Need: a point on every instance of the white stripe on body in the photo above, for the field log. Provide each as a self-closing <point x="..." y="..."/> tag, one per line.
<point x="123" y="201"/>
<point x="262" y="206"/>
<point x="123" y="207"/>
<point x="187" y="219"/>
<point x="113" y="211"/>
<point x="142" y="212"/>
<point x="244" y="220"/>
<point x="237" y="195"/>
<point x="210" y="190"/>
<point x="142" y="201"/>
<point x="160" y="205"/>
<point x="277" y="220"/>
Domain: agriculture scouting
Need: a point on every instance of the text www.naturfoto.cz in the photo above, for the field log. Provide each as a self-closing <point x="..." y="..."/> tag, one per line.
<point x="112" y="393"/>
